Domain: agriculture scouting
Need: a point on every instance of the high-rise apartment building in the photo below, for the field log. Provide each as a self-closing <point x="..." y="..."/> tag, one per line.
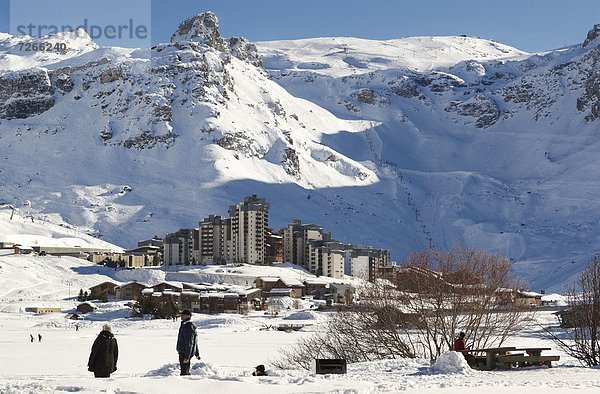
<point x="249" y="223"/>
<point x="178" y="247"/>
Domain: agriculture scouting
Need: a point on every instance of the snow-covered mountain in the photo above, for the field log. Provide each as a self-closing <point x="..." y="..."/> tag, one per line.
<point x="402" y="144"/>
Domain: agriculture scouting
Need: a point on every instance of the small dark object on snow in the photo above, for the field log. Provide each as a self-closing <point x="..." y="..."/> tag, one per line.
<point x="322" y="366"/>
<point x="259" y="371"/>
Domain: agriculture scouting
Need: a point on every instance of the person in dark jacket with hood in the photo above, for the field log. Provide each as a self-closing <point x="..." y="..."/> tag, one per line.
<point x="105" y="352"/>
<point x="187" y="342"/>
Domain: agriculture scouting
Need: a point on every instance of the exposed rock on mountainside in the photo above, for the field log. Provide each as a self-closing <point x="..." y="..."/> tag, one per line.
<point x="401" y="144"/>
<point x="592" y="35"/>
<point x="25" y="93"/>
<point x="479" y="106"/>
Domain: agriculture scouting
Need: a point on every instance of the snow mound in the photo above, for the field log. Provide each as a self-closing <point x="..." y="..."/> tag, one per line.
<point x="146" y="276"/>
<point x="451" y="362"/>
<point x="200" y="369"/>
<point x="229" y="321"/>
<point x="302" y="315"/>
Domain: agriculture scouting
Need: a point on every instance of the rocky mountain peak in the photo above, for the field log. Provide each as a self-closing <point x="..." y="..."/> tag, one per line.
<point x="592" y="35"/>
<point x="202" y="28"/>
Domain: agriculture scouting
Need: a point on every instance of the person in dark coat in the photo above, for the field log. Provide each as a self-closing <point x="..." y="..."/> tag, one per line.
<point x="31" y="336"/>
<point x="187" y="342"/>
<point x="39" y="337"/>
<point x="105" y="352"/>
<point x="259" y="371"/>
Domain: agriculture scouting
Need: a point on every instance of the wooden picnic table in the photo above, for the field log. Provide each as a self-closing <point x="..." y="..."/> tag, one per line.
<point x="491" y="355"/>
<point x="534" y="351"/>
<point x="506" y="358"/>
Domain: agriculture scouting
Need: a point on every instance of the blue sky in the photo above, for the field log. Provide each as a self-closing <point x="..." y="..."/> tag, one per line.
<point x="532" y="25"/>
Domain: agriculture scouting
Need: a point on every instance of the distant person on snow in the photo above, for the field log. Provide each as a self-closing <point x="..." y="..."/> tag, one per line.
<point x="39" y="337"/>
<point x="187" y="342"/>
<point x="259" y="371"/>
<point x="104" y="355"/>
<point x="459" y="344"/>
<point x="31" y="335"/>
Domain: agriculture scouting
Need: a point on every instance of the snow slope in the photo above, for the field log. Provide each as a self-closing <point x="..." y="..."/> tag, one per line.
<point x="494" y="151"/>
<point x="344" y="56"/>
<point x="27" y="229"/>
<point x="404" y="144"/>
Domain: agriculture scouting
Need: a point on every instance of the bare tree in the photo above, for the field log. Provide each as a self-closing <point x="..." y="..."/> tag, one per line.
<point x="436" y="295"/>
<point x="581" y="337"/>
<point x="470" y="290"/>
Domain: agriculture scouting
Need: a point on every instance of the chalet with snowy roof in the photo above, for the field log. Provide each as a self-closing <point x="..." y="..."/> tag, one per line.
<point x="282" y="292"/>
<point x="315" y="288"/>
<point x="107" y="288"/>
<point x="190" y="300"/>
<point x="22" y="249"/>
<point x="268" y="283"/>
<point x="527" y="298"/>
<point x="130" y="291"/>
<point x="343" y="293"/>
<point x="220" y="303"/>
<point x="170" y="296"/>
<point x="168" y="286"/>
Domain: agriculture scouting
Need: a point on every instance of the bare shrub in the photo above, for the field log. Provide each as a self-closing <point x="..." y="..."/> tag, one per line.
<point x="581" y="340"/>
<point x="351" y="335"/>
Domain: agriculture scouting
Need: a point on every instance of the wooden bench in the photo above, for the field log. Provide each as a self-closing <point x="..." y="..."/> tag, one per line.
<point x="477" y="361"/>
<point x="527" y="361"/>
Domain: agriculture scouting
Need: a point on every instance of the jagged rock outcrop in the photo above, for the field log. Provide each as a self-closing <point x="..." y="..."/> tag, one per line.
<point x="24" y="94"/>
<point x="479" y="106"/>
<point x="290" y="162"/>
<point x="592" y="35"/>
<point x="244" y="50"/>
<point x="202" y="28"/>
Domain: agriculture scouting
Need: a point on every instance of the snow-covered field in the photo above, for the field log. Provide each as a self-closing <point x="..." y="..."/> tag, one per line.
<point x="230" y="347"/>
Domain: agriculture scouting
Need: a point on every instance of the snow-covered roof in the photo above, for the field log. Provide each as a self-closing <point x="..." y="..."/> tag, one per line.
<point x="190" y="294"/>
<point x="270" y="279"/>
<point x="106" y="282"/>
<point x="223" y="295"/>
<point x="280" y="291"/>
<point x="245" y="292"/>
<point x="132" y="283"/>
<point x="291" y="282"/>
<point x="178" y="285"/>
<point x="530" y="294"/>
<point x="315" y="282"/>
